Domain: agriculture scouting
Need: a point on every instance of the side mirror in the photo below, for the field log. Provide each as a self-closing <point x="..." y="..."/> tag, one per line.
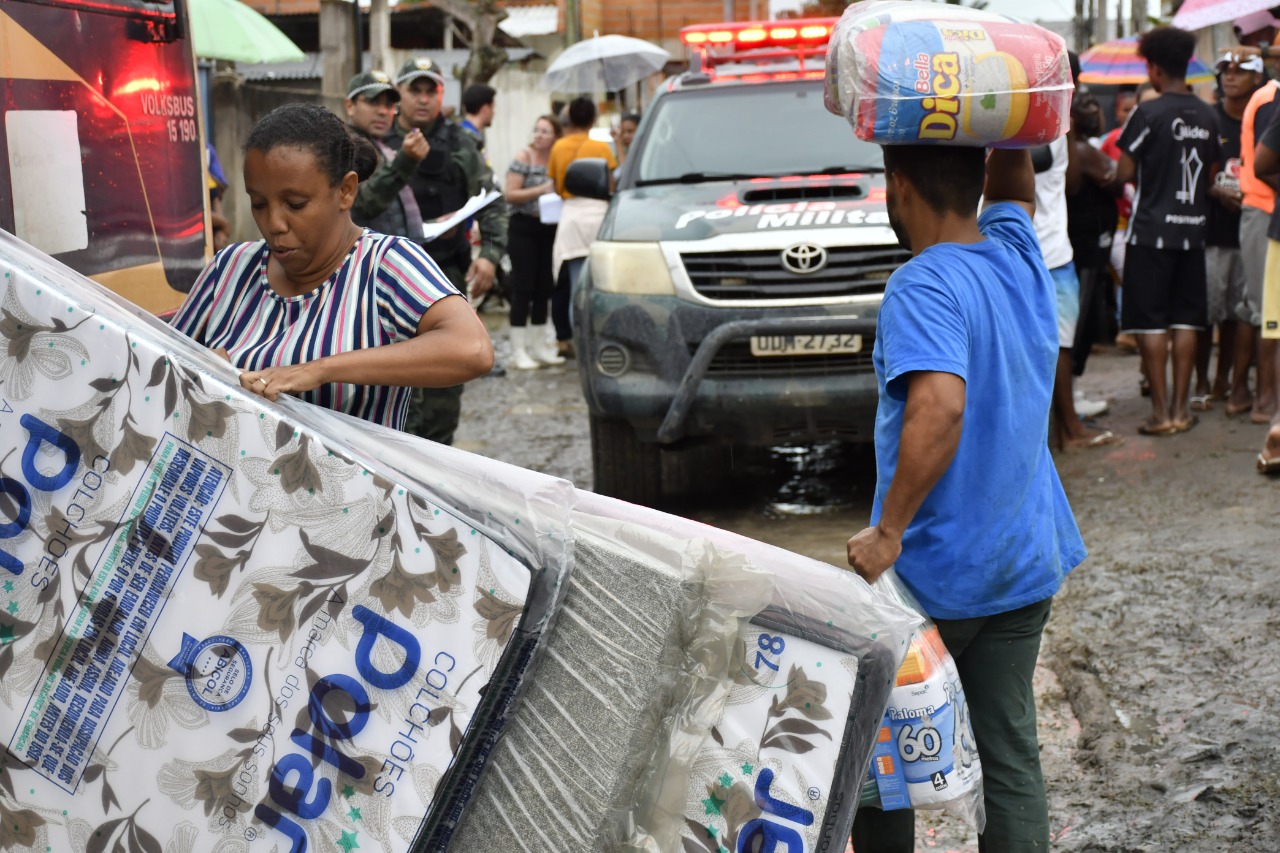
<point x="589" y="178"/>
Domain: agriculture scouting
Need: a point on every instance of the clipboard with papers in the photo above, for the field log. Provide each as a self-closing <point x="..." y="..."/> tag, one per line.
<point x="475" y="204"/>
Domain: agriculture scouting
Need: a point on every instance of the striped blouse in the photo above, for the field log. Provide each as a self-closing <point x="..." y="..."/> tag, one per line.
<point x="232" y="306"/>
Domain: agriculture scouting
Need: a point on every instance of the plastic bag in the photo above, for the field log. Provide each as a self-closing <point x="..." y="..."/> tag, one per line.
<point x="925" y="756"/>
<point x="923" y="73"/>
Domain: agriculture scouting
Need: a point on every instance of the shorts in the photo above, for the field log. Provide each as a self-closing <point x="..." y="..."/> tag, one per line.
<point x="1253" y="252"/>
<point x="1067" y="287"/>
<point x="1163" y="289"/>
<point x="1224" y="268"/>
<point x="1271" y="293"/>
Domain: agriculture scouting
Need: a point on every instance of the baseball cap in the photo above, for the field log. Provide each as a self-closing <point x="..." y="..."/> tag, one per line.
<point x="1245" y="61"/>
<point x="371" y="84"/>
<point x="420" y="67"/>
<point x="1254" y="22"/>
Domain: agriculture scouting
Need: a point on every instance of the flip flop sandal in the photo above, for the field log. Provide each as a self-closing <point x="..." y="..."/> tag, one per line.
<point x="1106" y="438"/>
<point x="1269" y="467"/>
<point x="1235" y="411"/>
<point x="1202" y="403"/>
<point x="1183" y="426"/>
<point x="1148" y="428"/>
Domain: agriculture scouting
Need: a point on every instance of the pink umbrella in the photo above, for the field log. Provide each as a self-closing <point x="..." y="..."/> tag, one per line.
<point x="1197" y="14"/>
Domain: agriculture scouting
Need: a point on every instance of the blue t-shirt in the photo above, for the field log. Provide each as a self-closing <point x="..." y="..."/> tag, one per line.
<point x="996" y="533"/>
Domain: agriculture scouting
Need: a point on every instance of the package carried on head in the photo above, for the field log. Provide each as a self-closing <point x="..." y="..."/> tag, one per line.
<point x="910" y="73"/>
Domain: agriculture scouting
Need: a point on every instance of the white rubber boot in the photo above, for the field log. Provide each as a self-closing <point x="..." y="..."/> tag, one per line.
<point x="540" y="348"/>
<point x="520" y="359"/>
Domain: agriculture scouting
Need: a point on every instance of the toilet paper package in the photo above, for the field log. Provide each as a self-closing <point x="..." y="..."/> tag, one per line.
<point x="925" y="755"/>
<point x="223" y="624"/>
<point x="926" y="73"/>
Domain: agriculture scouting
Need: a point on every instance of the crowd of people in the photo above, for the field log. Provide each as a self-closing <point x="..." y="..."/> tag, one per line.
<point x="343" y="265"/>
<point x="1165" y="223"/>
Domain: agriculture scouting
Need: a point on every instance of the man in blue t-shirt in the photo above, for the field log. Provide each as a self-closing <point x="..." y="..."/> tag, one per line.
<point x="968" y="505"/>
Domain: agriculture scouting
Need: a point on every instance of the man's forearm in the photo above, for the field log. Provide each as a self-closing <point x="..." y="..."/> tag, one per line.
<point x="931" y="428"/>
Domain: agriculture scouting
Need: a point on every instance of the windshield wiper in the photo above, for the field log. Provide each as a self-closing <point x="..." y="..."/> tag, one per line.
<point x="841" y="170"/>
<point x="700" y="177"/>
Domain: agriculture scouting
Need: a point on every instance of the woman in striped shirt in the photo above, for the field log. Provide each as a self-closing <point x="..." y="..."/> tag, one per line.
<point x="320" y="308"/>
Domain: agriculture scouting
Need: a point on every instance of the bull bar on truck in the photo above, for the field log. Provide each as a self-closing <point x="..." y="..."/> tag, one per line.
<point x="673" y="424"/>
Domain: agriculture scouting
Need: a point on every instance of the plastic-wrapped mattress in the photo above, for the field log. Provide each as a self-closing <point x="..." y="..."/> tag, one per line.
<point x="698" y="688"/>
<point x="224" y="625"/>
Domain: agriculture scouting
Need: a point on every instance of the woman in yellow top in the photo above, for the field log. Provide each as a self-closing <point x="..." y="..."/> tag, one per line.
<point x="581" y="217"/>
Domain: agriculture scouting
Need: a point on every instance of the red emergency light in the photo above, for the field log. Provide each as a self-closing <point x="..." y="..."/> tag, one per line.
<point x="792" y="34"/>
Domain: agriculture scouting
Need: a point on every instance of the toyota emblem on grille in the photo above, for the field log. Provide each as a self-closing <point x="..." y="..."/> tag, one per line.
<point x="804" y="258"/>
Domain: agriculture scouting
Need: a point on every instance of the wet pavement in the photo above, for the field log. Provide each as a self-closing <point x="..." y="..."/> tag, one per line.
<point x="1159" y="684"/>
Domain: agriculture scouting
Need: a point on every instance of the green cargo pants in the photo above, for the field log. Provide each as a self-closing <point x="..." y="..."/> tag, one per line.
<point x="996" y="658"/>
<point x="434" y="412"/>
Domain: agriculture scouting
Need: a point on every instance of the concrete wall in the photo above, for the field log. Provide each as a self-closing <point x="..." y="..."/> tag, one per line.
<point x="520" y="100"/>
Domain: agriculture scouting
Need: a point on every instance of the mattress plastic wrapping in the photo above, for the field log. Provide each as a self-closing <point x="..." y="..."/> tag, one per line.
<point x="224" y="624"/>
<point x="593" y="675"/>
<point x="651" y="723"/>
<point x="927" y="73"/>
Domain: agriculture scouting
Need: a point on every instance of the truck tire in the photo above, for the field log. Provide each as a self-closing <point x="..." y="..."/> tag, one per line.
<point x="624" y="467"/>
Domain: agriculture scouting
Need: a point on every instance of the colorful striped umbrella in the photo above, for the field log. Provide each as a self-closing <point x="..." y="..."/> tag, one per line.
<point x="1117" y="62"/>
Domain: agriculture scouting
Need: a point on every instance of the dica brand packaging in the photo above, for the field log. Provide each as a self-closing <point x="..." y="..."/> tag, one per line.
<point x="222" y="625"/>
<point x="926" y="73"/>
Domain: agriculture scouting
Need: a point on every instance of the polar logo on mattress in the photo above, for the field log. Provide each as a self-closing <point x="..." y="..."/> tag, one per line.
<point x="218" y="671"/>
<point x="295" y="787"/>
<point x="20" y="495"/>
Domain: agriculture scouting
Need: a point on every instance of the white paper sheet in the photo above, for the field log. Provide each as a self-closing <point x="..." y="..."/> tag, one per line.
<point x="432" y="230"/>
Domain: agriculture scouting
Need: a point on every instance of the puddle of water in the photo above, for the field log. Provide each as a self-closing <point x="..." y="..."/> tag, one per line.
<point x="815" y="479"/>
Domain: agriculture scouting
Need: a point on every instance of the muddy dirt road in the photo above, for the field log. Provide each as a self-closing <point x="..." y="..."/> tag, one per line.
<point x="1159" y="683"/>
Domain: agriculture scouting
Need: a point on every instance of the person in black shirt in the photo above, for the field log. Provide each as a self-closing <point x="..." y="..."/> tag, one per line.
<point x="1239" y="76"/>
<point x="1170" y="147"/>
<point x="1091" y="221"/>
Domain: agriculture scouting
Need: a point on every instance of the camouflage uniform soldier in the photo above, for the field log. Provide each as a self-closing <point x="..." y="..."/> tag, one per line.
<point x="451" y="172"/>
<point x="385" y="202"/>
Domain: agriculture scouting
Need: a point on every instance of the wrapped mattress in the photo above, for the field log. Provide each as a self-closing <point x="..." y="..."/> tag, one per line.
<point x="698" y="688"/>
<point x="927" y="73"/>
<point x="223" y="625"/>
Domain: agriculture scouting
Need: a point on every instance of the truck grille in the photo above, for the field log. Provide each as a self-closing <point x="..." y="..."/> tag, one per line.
<point x="734" y="276"/>
<point x="735" y="360"/>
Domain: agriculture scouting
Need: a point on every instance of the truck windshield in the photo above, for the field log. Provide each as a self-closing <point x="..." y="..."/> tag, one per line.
<point x="764" y="130"/>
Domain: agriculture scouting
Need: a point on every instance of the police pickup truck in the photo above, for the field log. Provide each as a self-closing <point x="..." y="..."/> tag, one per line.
<point x="731" y="294"/>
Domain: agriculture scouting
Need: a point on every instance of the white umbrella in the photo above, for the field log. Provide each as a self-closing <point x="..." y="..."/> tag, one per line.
<point x="1196" y="14"/>
<point x="604" y="62"/>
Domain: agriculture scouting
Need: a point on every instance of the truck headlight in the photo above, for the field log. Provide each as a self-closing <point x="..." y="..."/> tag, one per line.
<point x="638" y="269"/>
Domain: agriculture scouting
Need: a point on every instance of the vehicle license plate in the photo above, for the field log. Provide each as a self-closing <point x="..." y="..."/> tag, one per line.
<point x="770" y="345"/>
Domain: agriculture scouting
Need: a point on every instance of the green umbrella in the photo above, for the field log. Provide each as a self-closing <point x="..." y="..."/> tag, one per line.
<point x="228" y="29"/>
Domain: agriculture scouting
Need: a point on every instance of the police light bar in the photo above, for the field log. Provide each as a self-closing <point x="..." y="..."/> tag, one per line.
<point x="798" y="33"/>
